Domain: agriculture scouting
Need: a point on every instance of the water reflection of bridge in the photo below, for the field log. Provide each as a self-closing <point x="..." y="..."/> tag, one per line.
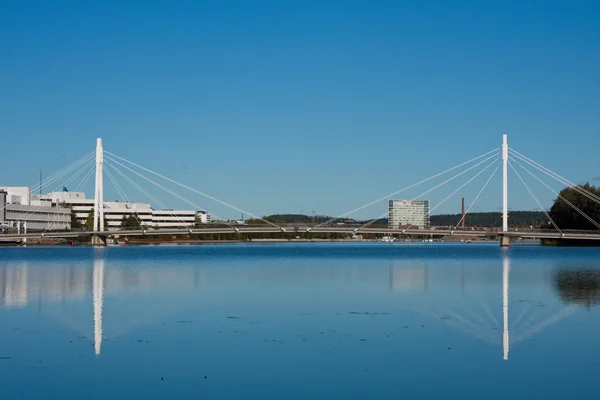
<point x="474" y="312"/>
<point x="139" y="296"/>
<point x="62" y="292"/>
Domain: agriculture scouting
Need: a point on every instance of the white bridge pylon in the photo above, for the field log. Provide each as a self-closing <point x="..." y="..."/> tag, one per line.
<point x="505" y="183"/>
<point x="99" y="191"/>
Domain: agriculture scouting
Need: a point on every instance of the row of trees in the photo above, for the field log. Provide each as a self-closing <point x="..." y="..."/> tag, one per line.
<point x="517" y="219"/>
<point x="128" y="221"/>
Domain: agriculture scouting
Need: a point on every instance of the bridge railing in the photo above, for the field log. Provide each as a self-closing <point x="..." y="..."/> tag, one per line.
<point x="565" y="231"/>
<point x="300" y="228"/>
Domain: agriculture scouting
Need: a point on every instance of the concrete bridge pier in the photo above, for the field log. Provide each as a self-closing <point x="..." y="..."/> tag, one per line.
<point x="504" y="241"/>
<point x="98" y="240"/>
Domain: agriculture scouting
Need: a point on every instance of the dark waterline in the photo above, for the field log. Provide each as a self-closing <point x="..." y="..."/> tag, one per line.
<point x="298" y="321"/>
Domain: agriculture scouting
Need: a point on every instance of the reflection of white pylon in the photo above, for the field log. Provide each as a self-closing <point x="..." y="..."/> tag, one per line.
<point x="98" y="300"/>
<point x="505" y="277"/>
<point x="532" y="317"/>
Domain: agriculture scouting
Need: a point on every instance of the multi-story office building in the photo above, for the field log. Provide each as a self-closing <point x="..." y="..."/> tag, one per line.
<point x="19" y="213"/>
<point x="25" y="211"/>
<point x="114" y="211"/>
<point x="408" y="212"/>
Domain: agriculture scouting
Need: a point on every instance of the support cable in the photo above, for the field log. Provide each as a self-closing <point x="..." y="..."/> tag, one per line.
<point x="193" y="190"/>
<point x="54" y="177"/>
<point x="592" y="196"/>
<point x="63" y="185"/>
<point x="168" y="190"/>
<point x="558" y="195"/>
<point x="86" y="176"/>
<point x="72" y="178"/>
<point x="57" y="175"/>
<point x="463" y="185"/>
<point x="77" y="188"/>
<point x="495" y="151"/>
<point x="536" y="199"/>
<point x="82" y="162"/>
<point x="138" y="187"/>
<point x="477" y="197"/>
<point x="432" y="189"/>
<point x="122" y="193"/>
<point x="163" y="188"/>
<point x="84" y="181"/>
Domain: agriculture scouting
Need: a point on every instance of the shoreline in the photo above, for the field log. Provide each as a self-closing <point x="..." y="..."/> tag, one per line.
<point x="190" y="242"/>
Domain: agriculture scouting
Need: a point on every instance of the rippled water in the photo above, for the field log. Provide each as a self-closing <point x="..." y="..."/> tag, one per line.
<point x="299" y="321"/>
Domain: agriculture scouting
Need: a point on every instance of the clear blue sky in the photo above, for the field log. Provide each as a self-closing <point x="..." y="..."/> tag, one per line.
<point x="278" y="106"/>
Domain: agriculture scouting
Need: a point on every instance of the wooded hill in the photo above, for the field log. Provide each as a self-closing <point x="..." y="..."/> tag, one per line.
<point x="484" y="219"/>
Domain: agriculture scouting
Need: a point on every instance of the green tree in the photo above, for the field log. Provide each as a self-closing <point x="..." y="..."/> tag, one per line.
<point x="75" y="224"/>
<point x="566" y="217"/>
<point x="130" y="221"/>
<point x="89" y="221"/>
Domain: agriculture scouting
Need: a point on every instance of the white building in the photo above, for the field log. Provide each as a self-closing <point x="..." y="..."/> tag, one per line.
<point x="173" y="218"/>
<point x="408" y="212"/>
<point x="17" y="212"/>
<point x="19" y="209"/>
<point x="203" y="217"/>
<point x="16" y="194"/>
<point x="114" y="211"/>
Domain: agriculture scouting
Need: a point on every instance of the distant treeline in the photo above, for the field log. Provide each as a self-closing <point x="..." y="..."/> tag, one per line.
<point x="299" y="219"/>
<point x="516" y="219"/>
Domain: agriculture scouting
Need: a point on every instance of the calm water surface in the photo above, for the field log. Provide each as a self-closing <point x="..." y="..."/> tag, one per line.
<point x="299" y="321"/>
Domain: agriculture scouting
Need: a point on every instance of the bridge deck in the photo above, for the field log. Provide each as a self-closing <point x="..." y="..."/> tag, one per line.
<point x="592" y="235"/>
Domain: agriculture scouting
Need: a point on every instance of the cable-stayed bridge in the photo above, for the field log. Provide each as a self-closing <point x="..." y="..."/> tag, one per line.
<point x="105" y="163"/>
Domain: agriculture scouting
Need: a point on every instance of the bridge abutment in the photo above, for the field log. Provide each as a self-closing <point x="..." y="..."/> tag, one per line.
<point x="98" y="240"/>
<point x="504" y="241"/>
